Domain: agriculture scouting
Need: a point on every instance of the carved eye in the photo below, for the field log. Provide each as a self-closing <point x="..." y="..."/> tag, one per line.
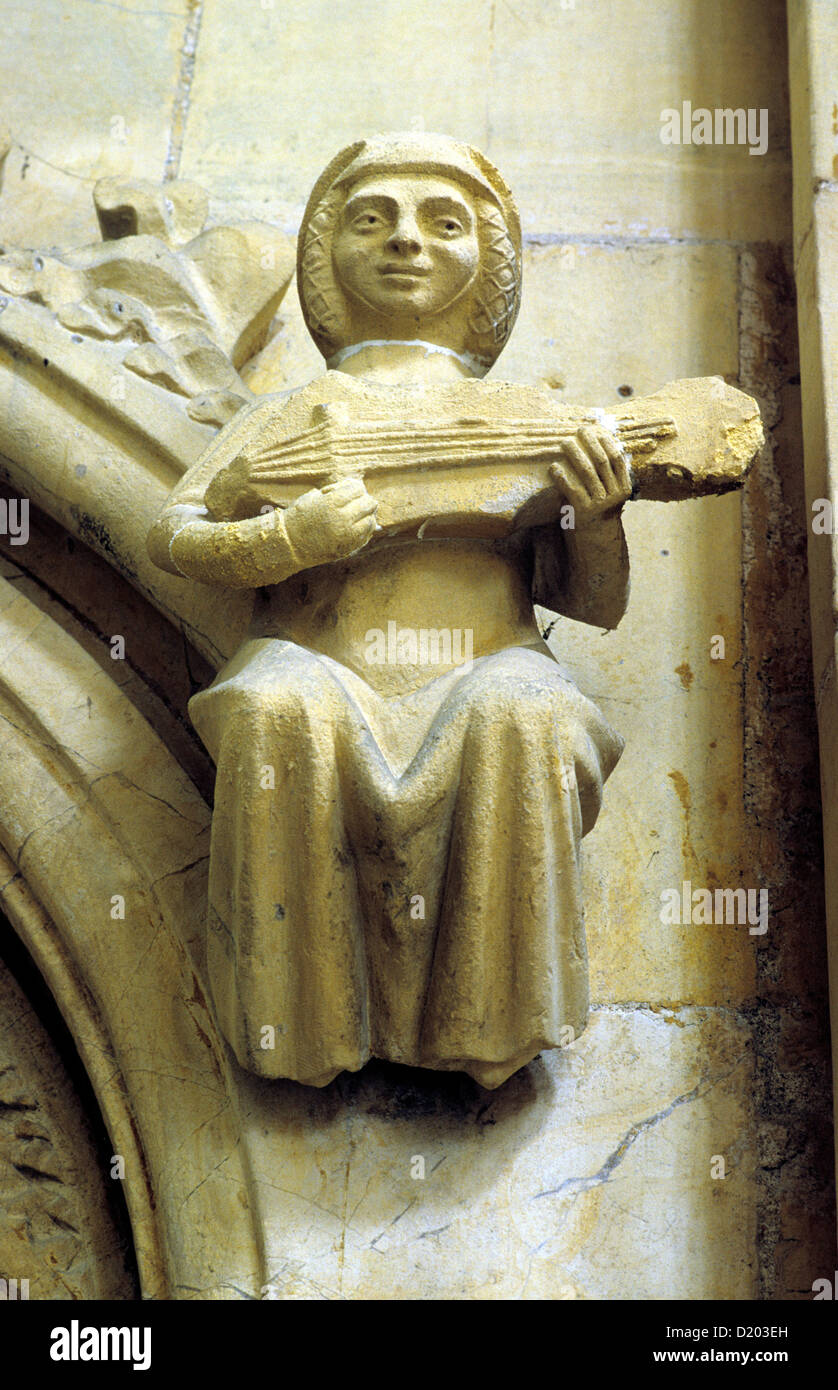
<point x="367" y="221"/>
<point x="448" y="226"/>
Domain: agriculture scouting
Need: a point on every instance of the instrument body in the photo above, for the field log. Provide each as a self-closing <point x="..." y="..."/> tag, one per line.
<point x="471" y="458"/>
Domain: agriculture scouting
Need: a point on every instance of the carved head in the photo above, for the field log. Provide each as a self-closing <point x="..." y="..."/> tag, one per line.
<point x="412" y="236"/>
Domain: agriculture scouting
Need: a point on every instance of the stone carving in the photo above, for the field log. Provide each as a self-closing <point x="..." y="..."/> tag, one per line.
<point x="404" y="772"/>
<point x="59" y="1231"/>
<point x="189" y="304"/>
<point x="96" y="445"/>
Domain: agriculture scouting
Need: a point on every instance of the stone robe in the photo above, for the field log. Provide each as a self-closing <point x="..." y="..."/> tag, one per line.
<point x="429" y="914"/>
<point x="395" y="849"/>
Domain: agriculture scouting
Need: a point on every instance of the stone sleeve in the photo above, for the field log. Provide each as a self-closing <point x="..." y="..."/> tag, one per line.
<point x="582" y="574"/>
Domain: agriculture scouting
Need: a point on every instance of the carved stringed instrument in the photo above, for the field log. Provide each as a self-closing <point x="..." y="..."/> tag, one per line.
<point x="474" y="458"/>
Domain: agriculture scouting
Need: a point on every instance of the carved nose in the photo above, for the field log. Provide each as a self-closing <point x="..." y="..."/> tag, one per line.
<point x="405" y="240"/>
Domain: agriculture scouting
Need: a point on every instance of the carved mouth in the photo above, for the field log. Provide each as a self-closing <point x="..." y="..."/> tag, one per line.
<point x="402" y="272"/>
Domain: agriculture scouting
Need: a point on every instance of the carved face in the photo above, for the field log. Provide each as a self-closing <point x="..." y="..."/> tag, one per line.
<point x="406" y="248"/>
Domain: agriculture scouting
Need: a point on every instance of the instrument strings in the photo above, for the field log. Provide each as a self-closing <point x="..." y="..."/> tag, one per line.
<point x="467" y="442"/>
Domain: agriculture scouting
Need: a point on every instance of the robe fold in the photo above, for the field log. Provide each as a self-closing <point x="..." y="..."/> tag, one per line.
<point x="412" y="899"/>
<point x="394" y="863"/>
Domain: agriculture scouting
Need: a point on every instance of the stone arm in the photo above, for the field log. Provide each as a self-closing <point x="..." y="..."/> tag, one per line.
<point x="582" y="574"/>
<point x="185" y="540"/>
<point x="581" y="570"/>
<point x="234" y="554"/>
<point x="323" y="524"/>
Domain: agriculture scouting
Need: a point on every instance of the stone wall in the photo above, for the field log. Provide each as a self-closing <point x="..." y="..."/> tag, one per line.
<point x="594" y="1173"/>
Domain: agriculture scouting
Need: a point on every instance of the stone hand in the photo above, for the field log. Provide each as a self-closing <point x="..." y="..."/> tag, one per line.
<point x="332" y="522"/>
<point x="593" y="474"/>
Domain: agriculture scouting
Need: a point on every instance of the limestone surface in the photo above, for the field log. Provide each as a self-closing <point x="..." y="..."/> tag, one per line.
<point x="394" y="869"/>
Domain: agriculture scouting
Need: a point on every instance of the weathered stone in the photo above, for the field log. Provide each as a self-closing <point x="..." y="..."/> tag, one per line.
<point x="643" y="262"/>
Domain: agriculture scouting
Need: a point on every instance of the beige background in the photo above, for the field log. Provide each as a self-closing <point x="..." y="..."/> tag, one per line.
<point x="643" y="263"/>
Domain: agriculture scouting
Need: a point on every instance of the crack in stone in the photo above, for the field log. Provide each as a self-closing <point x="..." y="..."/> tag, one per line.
<point x="174" y="873"/>
<point x="390" y="1224"/>
<point x="180" y="109"/>
<point x="579" y="1185"/>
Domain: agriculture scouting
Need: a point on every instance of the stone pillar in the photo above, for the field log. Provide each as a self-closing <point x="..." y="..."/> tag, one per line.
<point x="813" y="62"/>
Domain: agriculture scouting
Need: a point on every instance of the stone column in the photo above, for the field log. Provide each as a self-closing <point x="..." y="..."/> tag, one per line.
<point x="813" y="62"/>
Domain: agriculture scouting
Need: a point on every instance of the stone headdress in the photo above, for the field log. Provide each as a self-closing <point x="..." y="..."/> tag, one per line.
<point x="497" y="291"/>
